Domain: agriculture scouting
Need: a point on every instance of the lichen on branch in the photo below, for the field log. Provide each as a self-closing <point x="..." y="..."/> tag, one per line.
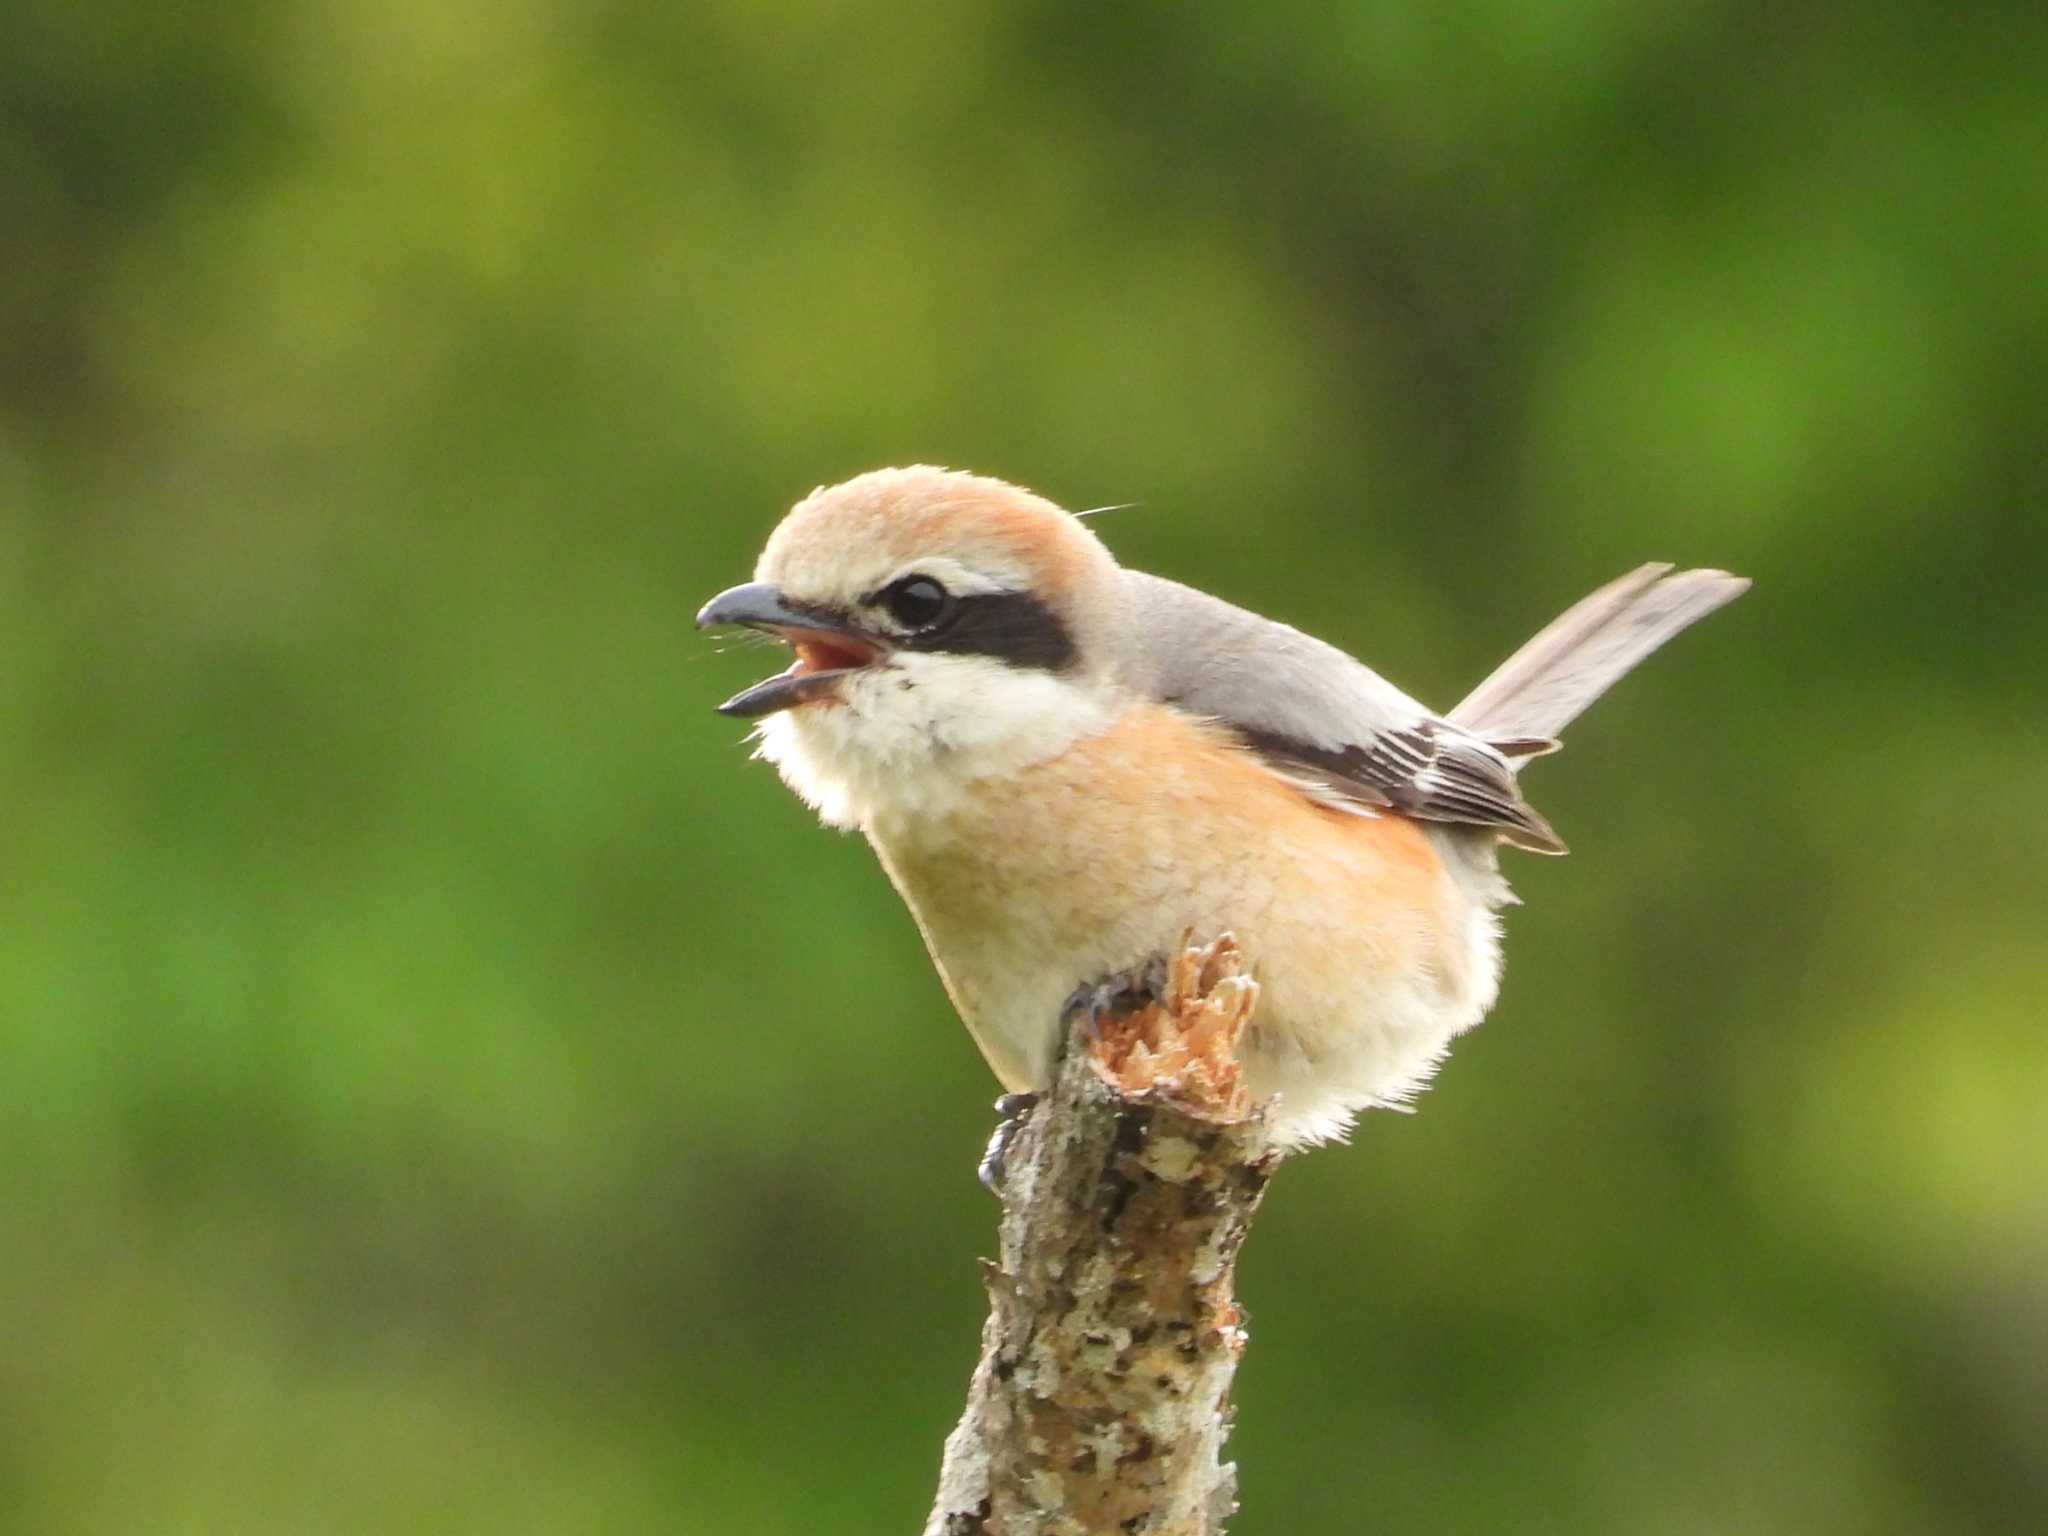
<point x="1101" y="1401"/>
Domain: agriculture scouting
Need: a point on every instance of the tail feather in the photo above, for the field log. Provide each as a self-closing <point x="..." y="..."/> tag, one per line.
<point x="1533" y="695"/>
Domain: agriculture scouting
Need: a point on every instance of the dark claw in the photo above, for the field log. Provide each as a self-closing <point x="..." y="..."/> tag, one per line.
<point x="1095" y="1001"/>
<point x="1012" y="1108"/>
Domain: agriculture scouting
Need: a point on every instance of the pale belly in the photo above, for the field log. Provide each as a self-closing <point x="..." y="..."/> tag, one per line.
<point x="1370" y="954"/>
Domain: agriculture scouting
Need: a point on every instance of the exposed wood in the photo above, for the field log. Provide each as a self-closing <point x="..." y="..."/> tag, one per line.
<point x="1102" y="1398"/>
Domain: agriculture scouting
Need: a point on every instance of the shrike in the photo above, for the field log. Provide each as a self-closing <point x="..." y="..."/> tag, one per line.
<point x="1064" y="766"/>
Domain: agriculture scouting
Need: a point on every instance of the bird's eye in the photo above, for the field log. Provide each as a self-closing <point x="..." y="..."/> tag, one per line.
<point x="917" y="602"/>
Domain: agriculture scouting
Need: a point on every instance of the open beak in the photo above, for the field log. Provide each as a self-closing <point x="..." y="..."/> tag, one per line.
<point x="827" y="647"/>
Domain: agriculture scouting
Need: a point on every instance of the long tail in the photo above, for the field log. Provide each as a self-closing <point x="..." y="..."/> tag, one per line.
<point x="1548" y="683"/>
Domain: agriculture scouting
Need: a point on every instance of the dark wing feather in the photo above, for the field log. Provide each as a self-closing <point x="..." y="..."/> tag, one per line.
<point x="1321" y="717"/>
<point x="1424" y="771"/>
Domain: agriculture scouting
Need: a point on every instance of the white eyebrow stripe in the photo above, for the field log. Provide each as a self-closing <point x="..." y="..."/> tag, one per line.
<point x="961" y="580"/>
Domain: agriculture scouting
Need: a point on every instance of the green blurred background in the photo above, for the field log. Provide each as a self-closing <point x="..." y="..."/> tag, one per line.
<point x="444" y="1086"/>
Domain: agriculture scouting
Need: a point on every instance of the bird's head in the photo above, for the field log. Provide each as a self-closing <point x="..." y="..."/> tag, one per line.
<point x="946" y="627"/>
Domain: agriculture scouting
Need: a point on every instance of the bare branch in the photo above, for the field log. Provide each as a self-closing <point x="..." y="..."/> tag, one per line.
<point x="1101" y="1401"/>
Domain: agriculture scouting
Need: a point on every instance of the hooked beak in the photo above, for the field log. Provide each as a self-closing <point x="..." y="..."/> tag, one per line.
<point x="827" y="647"/>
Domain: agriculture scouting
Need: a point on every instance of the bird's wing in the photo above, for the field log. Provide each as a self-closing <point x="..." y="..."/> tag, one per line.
<point x="1322" y="718"/>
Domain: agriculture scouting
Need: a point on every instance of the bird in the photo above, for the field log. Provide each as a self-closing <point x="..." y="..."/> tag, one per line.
<point x="1066" y="766"/>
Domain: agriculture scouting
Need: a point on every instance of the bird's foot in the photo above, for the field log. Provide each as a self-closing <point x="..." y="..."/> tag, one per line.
<point x="1111" y="996"/>
<point x="1012" y="1110"/>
